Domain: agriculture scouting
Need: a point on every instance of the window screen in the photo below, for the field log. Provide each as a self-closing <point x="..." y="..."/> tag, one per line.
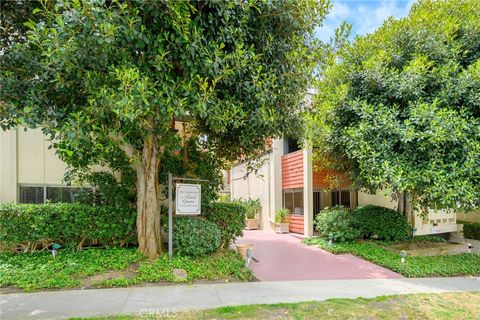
<point x="31" y="194"/>
<point x="293" y="200"/>
<point x="54" y="194"/>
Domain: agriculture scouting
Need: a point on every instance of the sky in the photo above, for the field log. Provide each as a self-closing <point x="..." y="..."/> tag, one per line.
<point x="364" y="15"/>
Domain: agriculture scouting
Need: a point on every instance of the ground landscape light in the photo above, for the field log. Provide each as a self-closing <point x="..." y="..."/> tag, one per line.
<point x="330" y="239"/>
<point x="403" y="255"/>
<point x="55" y="248"/>
<point x="249" y="257"/>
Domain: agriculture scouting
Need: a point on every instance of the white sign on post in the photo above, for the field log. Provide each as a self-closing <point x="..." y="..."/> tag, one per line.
<point x="188" y="198"/>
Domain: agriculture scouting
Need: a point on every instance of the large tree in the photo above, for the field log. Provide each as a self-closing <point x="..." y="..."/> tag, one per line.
<point x="399" y="109"/>
<point x="107" y="80"/>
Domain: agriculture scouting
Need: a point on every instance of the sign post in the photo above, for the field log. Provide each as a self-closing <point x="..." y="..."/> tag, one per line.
<point x="188" y="201"/>
<point x="170" y="218"/>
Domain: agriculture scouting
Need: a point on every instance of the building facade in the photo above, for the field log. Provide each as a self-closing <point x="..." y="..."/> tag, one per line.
<point x="288" y="179"/>
<point x="30" y="171"/>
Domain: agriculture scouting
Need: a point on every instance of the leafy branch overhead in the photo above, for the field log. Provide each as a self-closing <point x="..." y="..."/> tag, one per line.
<point x="107" y="80"/>
<point x="400" y="108"/>
<point x="117" y="73"/>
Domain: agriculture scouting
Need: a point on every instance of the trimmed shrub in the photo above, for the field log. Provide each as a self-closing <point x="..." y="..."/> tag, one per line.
<point x="194" y="236"/>
<point x="336" y="221"/>
<point x="229" y="218"/>
<point x="30" y="227"/>
<point x="471" y="230"/>
<point x="380" y="223"/>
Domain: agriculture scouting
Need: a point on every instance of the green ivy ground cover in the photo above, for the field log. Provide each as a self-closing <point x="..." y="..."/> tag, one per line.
<point x="441" y="266"/>
<point x="36" y="271"/>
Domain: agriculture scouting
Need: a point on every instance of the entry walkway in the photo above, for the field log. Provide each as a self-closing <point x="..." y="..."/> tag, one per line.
<point x="170" y="299"/>
<point x="281" y="257"/>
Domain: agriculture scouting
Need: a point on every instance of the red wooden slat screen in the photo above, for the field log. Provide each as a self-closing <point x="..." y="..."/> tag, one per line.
<point x="292" y="170"/>
<point x="295" y="222"/>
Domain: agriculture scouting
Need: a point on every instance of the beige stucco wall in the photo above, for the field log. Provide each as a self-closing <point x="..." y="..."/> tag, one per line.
<point x="8" y="166"/>
<point x="378" y="199"/>
<point x="253" y="186"/>
<point x="26" y="159"/>
<point x="264" y="185"/>
<point x="36" y="163"/>
<point x="307" y="193"/>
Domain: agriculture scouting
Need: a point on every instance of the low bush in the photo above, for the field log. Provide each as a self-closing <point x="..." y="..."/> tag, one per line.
<point x="30" y="227"/>
<point x="380" y="223"/>
<point x="195" y="236"/>
<point x="471" y="230"/>
<point x="229" y="218"/>
<point x="336" y="221"/>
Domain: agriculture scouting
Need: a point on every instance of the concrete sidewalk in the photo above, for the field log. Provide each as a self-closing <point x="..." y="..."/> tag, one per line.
<point x="161" y="300"/>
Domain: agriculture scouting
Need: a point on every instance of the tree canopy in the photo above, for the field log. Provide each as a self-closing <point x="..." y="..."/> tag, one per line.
<point x="108" y="79"/>
<point x="399" y="109"/>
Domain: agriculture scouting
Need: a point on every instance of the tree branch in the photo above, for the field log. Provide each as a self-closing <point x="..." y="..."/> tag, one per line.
<point x="128" y="148"/>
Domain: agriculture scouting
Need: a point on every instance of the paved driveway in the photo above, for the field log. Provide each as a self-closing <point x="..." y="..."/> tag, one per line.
<point x="284" y="257"/>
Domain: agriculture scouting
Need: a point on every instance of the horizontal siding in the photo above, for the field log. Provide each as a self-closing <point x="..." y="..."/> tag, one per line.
<point x="292" y="170"/>
<point x="320" y="179"/>
<point x="295" y="223"/>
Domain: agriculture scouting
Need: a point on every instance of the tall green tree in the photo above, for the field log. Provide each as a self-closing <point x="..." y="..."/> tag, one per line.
<point x="107" y="80"/>
<point x="399" y="109"/>
<point x="13" y="15"/>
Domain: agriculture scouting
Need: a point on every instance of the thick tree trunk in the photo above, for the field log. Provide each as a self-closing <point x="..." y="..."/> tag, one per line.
<point x="148" y="201"/>
<point x="405" y="207"/>
<point x="401" y="199"/>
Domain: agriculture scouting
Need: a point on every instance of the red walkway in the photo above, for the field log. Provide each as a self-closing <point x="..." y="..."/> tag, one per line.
<point x="285" y="257"/>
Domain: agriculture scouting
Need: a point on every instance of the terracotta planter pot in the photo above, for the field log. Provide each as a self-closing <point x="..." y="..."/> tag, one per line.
<point x="243" y="247"/>
<point x="281" y="228"/>
<point x="252" y="224"/>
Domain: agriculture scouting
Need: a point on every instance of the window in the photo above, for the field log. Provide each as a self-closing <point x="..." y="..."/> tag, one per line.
<point x="341" y="198"/>
<point x="323" y="199"/>
<point x="31" y="194"/>
<point x="290" y="145"/>
<point x="54" y="194"/>
<point x="62" y="194"/>
<point x="43" y="194"/>
<point x="293" y="200"/>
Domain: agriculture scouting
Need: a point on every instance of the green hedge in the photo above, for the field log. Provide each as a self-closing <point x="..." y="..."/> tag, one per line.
<point x="229" y="218"/>
<point x="380" y="223"/>
<point x="30" y="227"/>
<point x="336" y="221"/>
<point x="195" y="236"/>
<point x="471" y="230"/>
